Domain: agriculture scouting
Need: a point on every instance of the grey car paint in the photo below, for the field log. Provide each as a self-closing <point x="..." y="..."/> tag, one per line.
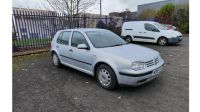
<point x="119" y="58"/>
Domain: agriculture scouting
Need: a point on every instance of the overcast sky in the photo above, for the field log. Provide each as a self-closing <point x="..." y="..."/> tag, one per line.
<point x="107" y="5"/>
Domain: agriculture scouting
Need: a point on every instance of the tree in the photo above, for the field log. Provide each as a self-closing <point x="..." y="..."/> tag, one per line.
<point x="71" y="7"/>
<point x="165" y="14"/>
<point x="147" y="14"/>
<point x="181" y="18"/>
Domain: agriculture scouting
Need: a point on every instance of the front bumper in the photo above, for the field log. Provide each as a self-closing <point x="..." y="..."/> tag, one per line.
<point x="133" y="79"/>
<point x="175" y="40"/>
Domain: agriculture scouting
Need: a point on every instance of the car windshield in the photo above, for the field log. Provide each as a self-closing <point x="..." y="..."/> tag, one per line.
<point x="104" y="38"/>
<point x="160" y="26"/>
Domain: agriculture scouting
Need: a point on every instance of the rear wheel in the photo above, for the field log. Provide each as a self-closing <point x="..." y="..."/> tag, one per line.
<point x="106" y="77"/>
<point x="56" y="60"/>
<point x="162" y="41"/>
<point x="128" y="39"/>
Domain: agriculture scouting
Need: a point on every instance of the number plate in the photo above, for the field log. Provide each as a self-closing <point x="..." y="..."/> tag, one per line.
<point x="157" y="71"/>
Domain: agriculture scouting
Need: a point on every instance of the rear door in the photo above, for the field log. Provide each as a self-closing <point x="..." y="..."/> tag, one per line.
<point x="63" y="46"/>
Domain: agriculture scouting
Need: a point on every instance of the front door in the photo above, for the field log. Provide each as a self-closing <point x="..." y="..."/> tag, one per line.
<point x="82" y="58"/>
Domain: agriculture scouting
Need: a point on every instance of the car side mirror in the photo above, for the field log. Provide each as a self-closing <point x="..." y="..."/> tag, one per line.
<point x="83" y="46"/>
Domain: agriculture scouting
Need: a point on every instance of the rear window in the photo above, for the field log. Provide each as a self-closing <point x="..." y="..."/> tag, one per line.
<point x="64" y="37"/>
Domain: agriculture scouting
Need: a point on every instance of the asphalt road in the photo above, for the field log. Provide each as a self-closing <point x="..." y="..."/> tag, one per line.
<point x="40" y="87"/>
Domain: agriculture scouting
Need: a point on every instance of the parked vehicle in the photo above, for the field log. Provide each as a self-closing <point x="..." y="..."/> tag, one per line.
<point x="148" y="31"/>
<point x="104" y="55"/>
<point x="169" y="27"/>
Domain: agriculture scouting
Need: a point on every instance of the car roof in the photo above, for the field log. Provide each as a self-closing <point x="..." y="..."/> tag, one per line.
<point x="84" y="29"/>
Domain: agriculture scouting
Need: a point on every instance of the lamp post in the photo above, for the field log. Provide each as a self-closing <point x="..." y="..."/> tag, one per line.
<point x="77" y="4"/>
<point x="100" y="8"/>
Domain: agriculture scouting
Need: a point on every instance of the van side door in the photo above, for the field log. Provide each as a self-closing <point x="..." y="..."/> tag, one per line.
<point x="151" y="33"/>
<point x="147" y="33"/>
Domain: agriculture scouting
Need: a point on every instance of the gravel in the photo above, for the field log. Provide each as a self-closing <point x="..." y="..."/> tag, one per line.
<point x="38" y="86"/>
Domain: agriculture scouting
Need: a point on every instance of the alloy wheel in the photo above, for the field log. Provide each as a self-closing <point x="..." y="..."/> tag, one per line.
<point x="162" y="41"/>
<point x="128" y="40"/>
<point x="104" y="77"/>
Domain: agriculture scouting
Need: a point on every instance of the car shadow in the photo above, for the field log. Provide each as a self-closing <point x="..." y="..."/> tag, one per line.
<point x="77" y="73"/>
<point x="119" y="89"/>
<point x="145" y="86"/>
<point x="153" y="44"/>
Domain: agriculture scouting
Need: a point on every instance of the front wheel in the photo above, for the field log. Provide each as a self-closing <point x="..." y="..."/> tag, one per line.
<point x="106" y="77"/>
<point x="128" y="39"/>
<point x="162" y="41"/>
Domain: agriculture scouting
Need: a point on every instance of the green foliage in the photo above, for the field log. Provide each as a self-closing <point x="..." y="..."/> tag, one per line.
<point x="177" y="15"/>
<point x="167" y="9"/>
<point x="181" y="18"/>
<point x="147" y="13"/>
<point x="165" y="14"/>
<point x="31" y="41"/>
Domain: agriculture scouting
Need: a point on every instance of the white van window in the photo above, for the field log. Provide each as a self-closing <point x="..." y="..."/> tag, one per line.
<point x="150" y="27"/>
<point x="162" y="27"/>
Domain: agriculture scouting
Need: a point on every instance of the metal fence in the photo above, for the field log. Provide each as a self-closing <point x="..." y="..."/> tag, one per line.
<point x="34" y="29"/>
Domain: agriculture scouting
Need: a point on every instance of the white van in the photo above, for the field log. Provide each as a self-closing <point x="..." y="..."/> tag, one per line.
<point x="148" y="31"/>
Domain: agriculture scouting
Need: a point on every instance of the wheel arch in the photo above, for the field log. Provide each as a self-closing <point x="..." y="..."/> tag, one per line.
<point x="128" y="36"/>
<point x="98" y="64"/>
<point x="101" y="62"/>
<point x="54" y="51"/>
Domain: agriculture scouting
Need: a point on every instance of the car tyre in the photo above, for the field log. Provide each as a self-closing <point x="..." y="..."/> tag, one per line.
<point x="56" y="60"/>
<point x="106" y="77"/>
<point x="162" y="41"/>
<point x="128" y="39"/>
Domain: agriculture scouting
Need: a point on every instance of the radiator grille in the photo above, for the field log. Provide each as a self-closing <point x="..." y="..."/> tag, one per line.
<point x="152" y="62"/>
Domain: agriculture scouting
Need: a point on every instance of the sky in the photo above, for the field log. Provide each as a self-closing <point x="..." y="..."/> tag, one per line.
<point x="107" y="5"/>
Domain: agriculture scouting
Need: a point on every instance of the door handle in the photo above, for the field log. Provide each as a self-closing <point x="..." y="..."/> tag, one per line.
<point x="144" y="32"/>
<point x="140" y="32"/>
<point x="71" y="50"/>
<point x="57" y="46"/>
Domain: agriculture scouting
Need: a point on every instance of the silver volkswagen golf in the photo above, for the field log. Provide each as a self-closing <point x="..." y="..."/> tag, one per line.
<point x="104" y="55"/>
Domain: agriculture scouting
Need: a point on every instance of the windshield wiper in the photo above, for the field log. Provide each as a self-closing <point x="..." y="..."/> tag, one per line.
<point x="117" y="45"/>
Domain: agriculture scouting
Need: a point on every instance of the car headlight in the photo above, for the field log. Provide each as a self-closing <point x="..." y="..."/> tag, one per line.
<point x="138" y="65"/>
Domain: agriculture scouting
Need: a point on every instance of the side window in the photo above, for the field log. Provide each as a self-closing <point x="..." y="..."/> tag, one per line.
<point x="150" y="27"/>
<point x="77" y="39"/>
<point x="59" y="38"/>
<point x="64" y="37"/>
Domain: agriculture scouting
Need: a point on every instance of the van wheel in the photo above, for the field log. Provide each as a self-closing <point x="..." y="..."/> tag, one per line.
<point x="162" y="41"/>
<point x="128" y="39"/>
<point x="106" y="77"/>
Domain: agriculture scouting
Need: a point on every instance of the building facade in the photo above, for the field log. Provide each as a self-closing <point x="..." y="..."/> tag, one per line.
<point x="124" y="14"/>
<point x="158" y="5"/>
